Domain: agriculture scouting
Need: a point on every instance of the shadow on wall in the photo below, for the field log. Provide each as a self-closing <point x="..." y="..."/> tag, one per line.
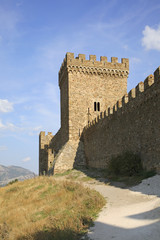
<point x="80" y="159"/>
<point x="148" y="186"/>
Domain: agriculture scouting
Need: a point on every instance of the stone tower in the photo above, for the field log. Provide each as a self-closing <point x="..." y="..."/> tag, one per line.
<point x="87" y="87"/>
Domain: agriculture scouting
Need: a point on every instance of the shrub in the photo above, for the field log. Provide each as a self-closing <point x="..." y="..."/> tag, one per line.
<point x="14" y="181"/>
<point x="4" y="231"/>
<point x="127" y="164"/>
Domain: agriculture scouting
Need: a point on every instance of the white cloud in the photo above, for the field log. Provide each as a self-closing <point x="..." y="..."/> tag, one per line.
<point x="3" y="148"/>
<point x="151" y="39"/>
<point x="27" y="159"/>
<point x="5" y="106"/>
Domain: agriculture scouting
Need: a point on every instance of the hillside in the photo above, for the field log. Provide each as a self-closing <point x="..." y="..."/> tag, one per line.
<point x="10" y="173"/>
<point x="46" y="208"/>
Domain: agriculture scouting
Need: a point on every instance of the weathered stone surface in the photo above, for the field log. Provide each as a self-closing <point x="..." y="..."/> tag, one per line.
<point x="86" y="88"/>
<point x="99" y="120"/>
<point x="133" y="127"/>
<point x="45" y="153"/>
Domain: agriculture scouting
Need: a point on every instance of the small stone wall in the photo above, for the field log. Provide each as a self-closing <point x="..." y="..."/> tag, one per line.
<point x="45" y="153"/>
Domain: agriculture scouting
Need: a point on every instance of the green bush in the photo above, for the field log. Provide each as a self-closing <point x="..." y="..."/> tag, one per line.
<point x="128" y="164"/>
<point x="14" y="181"/>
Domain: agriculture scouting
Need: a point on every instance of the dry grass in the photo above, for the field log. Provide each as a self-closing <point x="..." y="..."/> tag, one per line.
<point x="44" y="208"/>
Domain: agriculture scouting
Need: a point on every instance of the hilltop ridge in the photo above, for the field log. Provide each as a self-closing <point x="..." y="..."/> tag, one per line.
<point x="11" y="173"/>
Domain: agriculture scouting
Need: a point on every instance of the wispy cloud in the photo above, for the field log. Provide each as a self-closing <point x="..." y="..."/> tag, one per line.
<point x="35" y="130"/>
<point x="22" y="99"/>
<point x="51" y="93"/>
<point x="5" y="106"/>
<point x="135" y="60"/>
<point x="10" y="127"/>
<point x="151" y="38"/>
<point x="8" y="22"/>
<point x="3" y="148"/>
<point x="7" y="126"/>
<point x="50" y="55"/>
<point x="125" y="47"/>
<point x="19" y="3"/>
<point x="26" y="159"/>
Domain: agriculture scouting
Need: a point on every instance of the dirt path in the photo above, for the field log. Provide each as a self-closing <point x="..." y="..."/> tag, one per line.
<point x="130" y="214"/>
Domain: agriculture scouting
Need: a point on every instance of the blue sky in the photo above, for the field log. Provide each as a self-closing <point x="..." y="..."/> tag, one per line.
<point x="34" y="37"/>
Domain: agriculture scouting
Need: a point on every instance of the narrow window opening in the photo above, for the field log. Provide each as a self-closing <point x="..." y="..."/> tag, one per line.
<point x="96" y="106"/>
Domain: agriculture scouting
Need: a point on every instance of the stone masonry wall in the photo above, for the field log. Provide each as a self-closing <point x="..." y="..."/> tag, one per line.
<point x="133" y="124"/>
<point x="84" y="82"/>
<point x="49" y="146"/>
<point x="45" y="153"/>
<point x="64" y="102"/>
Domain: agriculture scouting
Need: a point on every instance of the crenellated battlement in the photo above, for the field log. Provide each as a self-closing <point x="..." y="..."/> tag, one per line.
<point x="132" y="124"/>
<point x="89" y="90"/>
<point x="45" y="138"/>
<point x="133" y="98"/>
<point x="46" y="155"/>
<point x="83" y="66"/>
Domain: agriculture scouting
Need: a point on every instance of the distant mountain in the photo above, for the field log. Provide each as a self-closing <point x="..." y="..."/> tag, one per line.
<point x="8" y="174"/>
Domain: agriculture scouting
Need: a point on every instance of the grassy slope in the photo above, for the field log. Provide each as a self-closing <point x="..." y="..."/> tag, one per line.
<point x="45" y="208"/>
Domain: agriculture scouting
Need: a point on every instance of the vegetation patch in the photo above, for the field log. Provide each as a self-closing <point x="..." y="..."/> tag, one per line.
<point x="47" y="209"/>
<point x="63" y="174"/>
<point x="14" y="181"/>
<point x="127" y="168"/>
<point x="86" y="179"/>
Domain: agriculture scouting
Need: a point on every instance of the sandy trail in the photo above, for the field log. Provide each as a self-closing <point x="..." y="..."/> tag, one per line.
<point x="130" y="214"/>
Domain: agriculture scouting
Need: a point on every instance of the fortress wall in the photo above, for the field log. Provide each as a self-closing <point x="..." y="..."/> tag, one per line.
<point x="49" y="146"/>
<point x="86" y="82"/>
<point x="45" y="154"/>
<point x="64" y="94"/>
<point x="133" y="124"/>
<point x="58" y="141"/>
<point x="86" y="90"/>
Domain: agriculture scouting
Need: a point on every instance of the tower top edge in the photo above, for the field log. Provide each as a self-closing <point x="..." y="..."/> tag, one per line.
<point x="81" y="60"/>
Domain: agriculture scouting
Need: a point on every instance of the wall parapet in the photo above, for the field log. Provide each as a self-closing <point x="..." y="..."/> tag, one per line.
<point x="92" y="66"/>
<point x="131" y="99"/>
<point x="45" y="139"/>
<point x="45" y="153"/>
<point x="132" y="124"/>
